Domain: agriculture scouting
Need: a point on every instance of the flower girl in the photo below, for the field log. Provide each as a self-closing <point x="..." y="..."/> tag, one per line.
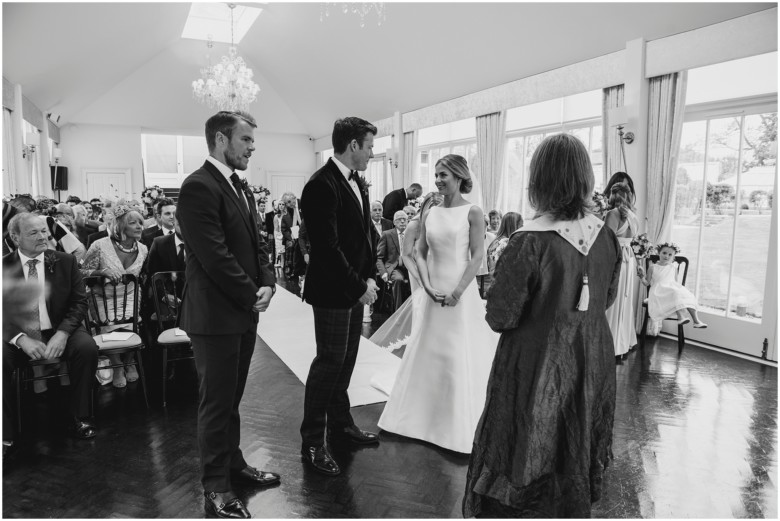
<point x="668" y="296"/>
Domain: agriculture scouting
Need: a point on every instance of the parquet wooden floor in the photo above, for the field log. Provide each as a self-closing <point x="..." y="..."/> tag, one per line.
<point x="695" y="436"/>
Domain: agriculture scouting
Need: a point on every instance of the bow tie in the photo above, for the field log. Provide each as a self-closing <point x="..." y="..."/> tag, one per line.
<point x="353" y="176"/>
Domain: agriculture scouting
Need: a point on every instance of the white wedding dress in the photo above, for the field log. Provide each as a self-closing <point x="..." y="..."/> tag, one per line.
<point x="439" y="392"/>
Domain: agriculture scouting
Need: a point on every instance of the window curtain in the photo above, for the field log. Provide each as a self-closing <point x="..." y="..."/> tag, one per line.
<point x="410" y="145"/>
<point x="8" y="154"/>
<point x="491" y="130"/>
<point x="613" y="160"/>
<point x="666" y="111"/>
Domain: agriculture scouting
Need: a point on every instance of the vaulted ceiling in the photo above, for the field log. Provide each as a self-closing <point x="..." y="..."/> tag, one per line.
<point x="126" y="64"/>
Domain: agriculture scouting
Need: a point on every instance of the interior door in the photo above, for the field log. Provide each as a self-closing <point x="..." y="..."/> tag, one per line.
<point x="284" y="182"/>
<point x="110" y="183"/>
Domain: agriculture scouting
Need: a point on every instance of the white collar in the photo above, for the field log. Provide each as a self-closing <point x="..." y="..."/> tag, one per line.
<point x="580" y="233"/>
<point x="223" y="168"/>
<point x="176" y="242"/>
<point x="343" y="168"/>
<point x="24" y="258"/>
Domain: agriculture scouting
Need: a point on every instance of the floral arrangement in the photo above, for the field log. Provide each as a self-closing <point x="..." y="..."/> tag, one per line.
<point x="152" y="194"/>
<point x="642" y="246"/>
<point x="259" y="192"/>
<point x="669" y="244"/>
<point x="600" y="202"/>
<point x="416" y="203"/>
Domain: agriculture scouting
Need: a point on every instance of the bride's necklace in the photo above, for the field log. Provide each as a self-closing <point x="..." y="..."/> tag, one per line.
<point x="121" y="248"/>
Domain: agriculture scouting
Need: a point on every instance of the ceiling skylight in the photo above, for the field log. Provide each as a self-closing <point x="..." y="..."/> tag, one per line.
<point x="213" y="20"/>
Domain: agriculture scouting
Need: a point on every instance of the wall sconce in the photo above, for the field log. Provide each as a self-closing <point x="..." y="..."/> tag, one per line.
<point x="617" y="117"/>
<point x="32" y="141"/>
<point x="392" y="157"/>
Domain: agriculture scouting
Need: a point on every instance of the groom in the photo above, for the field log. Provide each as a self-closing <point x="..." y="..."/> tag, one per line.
<point x="339" y="283"/>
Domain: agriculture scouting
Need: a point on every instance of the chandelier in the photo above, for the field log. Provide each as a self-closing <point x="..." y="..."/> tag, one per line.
<point x="362" y="9"/>
<point x="227" y="85"/>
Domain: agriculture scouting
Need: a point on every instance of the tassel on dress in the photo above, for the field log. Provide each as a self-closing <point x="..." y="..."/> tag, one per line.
<point x="582" y="305"/>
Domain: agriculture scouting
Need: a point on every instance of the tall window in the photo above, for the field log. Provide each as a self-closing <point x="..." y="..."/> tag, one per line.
<point x="169" y="159"/>
<point x="527" y="126"/>
<point x="724" y="194"/>
<point x="33" y="160"/>
<point x="433" y="143"/>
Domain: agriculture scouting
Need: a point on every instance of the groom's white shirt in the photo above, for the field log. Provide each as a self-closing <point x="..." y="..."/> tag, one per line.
<point x="345" y="172"/>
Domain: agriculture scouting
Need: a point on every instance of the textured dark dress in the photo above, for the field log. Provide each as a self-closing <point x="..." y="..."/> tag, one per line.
<point x="545" y="435"/>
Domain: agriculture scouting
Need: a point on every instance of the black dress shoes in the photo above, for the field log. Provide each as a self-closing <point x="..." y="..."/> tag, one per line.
<point x="257" y="477"/>
<point x="321" y="460"/>
<point x="216" y="504"/>
<point x="83" y="429"/>
<point x="353" y="435"/>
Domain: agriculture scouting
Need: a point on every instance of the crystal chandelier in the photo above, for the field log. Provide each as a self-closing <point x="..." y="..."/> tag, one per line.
<point x="362" y="9"/>
<point x="227" y="85"/>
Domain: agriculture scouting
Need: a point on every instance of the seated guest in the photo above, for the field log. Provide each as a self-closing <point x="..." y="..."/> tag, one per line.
<point x="397" y="199"/>
<point x="8" y="212"/>
<point x="107" y="214"/>
<point x="73" y="200"/>
<point x="97" y="209"/>
<point x="164" y="211"/>
<point x="52" y="325"/>
<point x="494" y="220"/>
<point x="410" y="211"/>
<point x="380" y="223"/>
<point x="261" y="224"/>
<point x="83" y="225"/>
<point x="167" y="252"/>
<point x="510" y="222"/>
<point x="389" y="264"/>
<point x="119" y="254"/>
<point x="61" y="226"/>
<point x="24" y="203"/>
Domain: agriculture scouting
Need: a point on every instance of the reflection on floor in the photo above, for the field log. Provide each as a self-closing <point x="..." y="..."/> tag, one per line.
<point x="695" y="436"/>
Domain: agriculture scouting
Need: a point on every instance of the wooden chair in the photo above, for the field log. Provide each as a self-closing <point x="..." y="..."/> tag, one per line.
<point x="682" y="266"/>
<point x="167" y="292"/>
<point x="117" y="308"/>
<point x="24" y="374"/>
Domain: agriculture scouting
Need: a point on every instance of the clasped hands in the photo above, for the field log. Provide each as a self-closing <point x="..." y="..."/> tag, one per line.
<point x="37" y="350"/>
<point x="445" y="299"/>
<point x="264" y="295"/>
<point x="369" y="297"/>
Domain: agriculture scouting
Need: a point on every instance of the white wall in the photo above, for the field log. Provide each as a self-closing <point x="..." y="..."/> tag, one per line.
<point x="102" y="146"/>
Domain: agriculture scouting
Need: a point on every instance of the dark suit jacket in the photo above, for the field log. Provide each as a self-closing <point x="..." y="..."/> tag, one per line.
<point x="227" y="260"/>
<point x="163" y="256"/>
<point x="269" y="224"/>
<point x="95" y="236"/>
<point x="388" y="253"/>
<point x="342" y="240"/>
<point x="394" y="201"/>
<point x="150" y="234"/>
<point x="66" y="302"/>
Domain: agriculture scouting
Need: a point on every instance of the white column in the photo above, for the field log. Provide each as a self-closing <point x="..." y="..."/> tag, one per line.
<point x="635" y="99"/>
<point x="44" y="175"/>
<point x="23" y="183"/>
<point x="398" y="145"/>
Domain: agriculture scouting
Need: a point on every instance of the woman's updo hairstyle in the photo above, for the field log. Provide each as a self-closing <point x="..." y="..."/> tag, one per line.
<point x="458" y="166"/>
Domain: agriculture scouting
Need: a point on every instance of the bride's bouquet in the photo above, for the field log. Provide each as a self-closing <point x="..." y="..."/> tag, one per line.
<point x="641" y="246"/>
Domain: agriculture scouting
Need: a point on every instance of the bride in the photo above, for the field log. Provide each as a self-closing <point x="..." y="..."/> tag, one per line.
<point x="398" y="328"/>
<point x="439" y="392"/>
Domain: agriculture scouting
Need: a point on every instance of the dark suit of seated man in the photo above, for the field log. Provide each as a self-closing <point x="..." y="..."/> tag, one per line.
<point x="164" y="212"/>
<point x="51" y="326"/>
<point x="389" y="263"/>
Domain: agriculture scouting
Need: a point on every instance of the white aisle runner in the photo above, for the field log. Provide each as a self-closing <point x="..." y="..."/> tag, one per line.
<point x="288" y="329"/>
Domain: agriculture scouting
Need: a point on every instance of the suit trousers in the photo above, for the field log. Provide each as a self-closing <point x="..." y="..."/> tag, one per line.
<point x="326" y="402"/>
<point x="81" y="354"/>
<point x="222" y="363"/>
